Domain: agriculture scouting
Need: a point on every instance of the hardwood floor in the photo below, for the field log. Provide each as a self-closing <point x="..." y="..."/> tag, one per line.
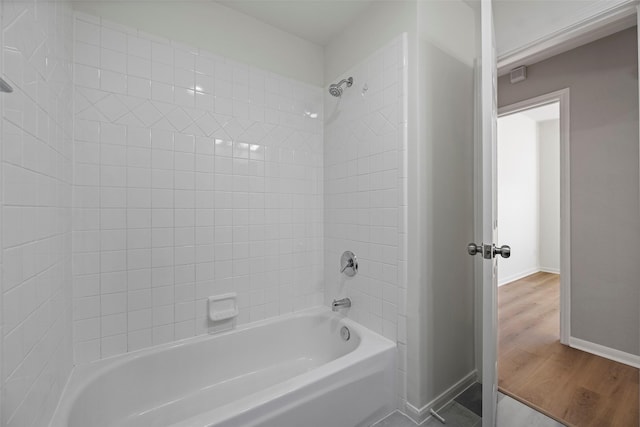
<point x="569" y="385"/>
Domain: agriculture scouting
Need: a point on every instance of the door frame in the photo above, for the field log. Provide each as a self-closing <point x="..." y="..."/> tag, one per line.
<point x="562" y="97"/>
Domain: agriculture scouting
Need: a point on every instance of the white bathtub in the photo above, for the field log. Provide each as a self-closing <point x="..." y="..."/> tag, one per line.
<point x="292" y="371"/>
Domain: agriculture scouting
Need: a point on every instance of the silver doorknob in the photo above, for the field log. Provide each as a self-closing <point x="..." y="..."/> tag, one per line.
<point x="474" y="249"/>
<point x="504" y="251"/>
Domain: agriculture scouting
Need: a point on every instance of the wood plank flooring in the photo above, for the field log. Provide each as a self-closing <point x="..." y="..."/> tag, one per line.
<point x="569" y="385"/>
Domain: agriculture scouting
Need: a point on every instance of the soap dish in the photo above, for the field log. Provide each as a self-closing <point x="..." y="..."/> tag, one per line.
<point x="223" y="307"/>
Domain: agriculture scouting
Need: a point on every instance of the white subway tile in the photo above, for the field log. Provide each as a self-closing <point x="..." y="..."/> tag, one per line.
<point x="139" y="319"/>
<point x="161" y="52"/>
<point x="163" y="334"/>
<point x="185" y="55"/>
<point x="184" y="98"/>
<point x="113" y="282"/>
<point x="113" y="39"/>
<point x="185" y="329"/>
<point x="113" y="176"/>
<point x="139" y="299"/>
<point x="139" y="157"/>
<point x="86" y="54"/>
<point x="87" y="329"/>
<point x="113" y="261"/>
<point x="163" y="296"/>
<point x="162" y="73"/>
<point x="139" y="87"/>
<point x="113" y="325"/>
<point x="138" y="46"/>
<point x="139" y="279"/>
<point x="88" y="32"/>
<point x="182" y="214"/>
<point x="137" y="340"/>
<point x="162" y="237"/>
<point x="87" y="351"/>
<point x="113" y="303"/>
<point x="113" y="60"/>
<point x="113" y="345"/>
<point x="140" y="178"/>
<point x="139" y="67"/>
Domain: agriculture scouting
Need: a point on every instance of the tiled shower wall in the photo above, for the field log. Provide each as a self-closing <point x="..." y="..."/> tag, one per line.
<point x="194" y="176"/>
<point x="36" y="350"/>
<point x="365" y="193"/>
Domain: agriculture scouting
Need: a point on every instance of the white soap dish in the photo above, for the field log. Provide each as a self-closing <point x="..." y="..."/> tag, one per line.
<point x="223" y="307"/>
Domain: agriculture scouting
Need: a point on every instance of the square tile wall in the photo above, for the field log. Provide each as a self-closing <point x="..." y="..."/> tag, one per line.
<point x="37" y="146"/>
<point x="194" y="176"/>
<point x="365" y="194"/>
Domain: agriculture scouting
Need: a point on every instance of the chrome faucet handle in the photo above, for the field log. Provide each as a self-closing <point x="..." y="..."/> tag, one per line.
<point x="349" y="264"/>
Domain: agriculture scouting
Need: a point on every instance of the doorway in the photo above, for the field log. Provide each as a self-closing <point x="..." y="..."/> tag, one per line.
<point x="533" y="209"/>
<point x="532" y="174"/>
<point x="528" y="215"/>
<point x="528" y="191"/>
<point x="528" y="211"/>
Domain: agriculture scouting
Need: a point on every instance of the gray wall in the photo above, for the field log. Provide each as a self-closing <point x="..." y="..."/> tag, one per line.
<point x="605" y="217"/>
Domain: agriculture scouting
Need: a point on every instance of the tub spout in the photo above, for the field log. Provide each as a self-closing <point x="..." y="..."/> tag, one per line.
<point x="340" y="303"/>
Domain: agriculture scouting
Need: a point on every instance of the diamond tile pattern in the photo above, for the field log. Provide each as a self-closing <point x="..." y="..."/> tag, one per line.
<point x="179" y="119"/>
<point x="111" y="107"/>
<point x="147" y="113"/>
<point x="176" y="200"/>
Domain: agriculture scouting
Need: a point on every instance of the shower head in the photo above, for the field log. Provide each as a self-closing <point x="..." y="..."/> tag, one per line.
<point x="336" y="88"/>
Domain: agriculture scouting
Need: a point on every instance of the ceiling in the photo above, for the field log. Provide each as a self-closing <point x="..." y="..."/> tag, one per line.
<point x="546" y="112"/>
<point x="317" y="21"/>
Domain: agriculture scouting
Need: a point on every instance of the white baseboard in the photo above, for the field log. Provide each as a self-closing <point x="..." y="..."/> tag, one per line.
<point x="420" y="415"/>
<point x="606" y="352"/>
<point x="517" y="276"/>
<point x="526" y="273"/>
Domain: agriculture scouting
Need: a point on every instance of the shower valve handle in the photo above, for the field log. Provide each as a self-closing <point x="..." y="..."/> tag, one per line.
<point x="349" y="264"/>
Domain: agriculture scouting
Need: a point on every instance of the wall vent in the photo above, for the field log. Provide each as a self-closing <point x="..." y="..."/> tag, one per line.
<point x="518" y="74"/>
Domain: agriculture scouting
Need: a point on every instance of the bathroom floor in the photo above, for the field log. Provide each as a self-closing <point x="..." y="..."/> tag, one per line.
<point x="463" y="412"/>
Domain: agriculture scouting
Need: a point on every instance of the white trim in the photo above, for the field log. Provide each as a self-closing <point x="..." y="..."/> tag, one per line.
<point x="549" y="270"/>
<point x="561" y="96"/>
<point x="606" y="352"/>
<point x="594" y="24"/>
<point x="422" y="414"/>
<point x="518" y="276"/>
<point x="565" y="217"/>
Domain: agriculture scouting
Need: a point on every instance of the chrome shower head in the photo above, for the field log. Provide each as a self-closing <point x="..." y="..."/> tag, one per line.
<point x="336" y="88"/>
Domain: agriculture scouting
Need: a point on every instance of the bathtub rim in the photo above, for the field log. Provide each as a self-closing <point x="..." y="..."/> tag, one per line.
<point x="84" y="374"/>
